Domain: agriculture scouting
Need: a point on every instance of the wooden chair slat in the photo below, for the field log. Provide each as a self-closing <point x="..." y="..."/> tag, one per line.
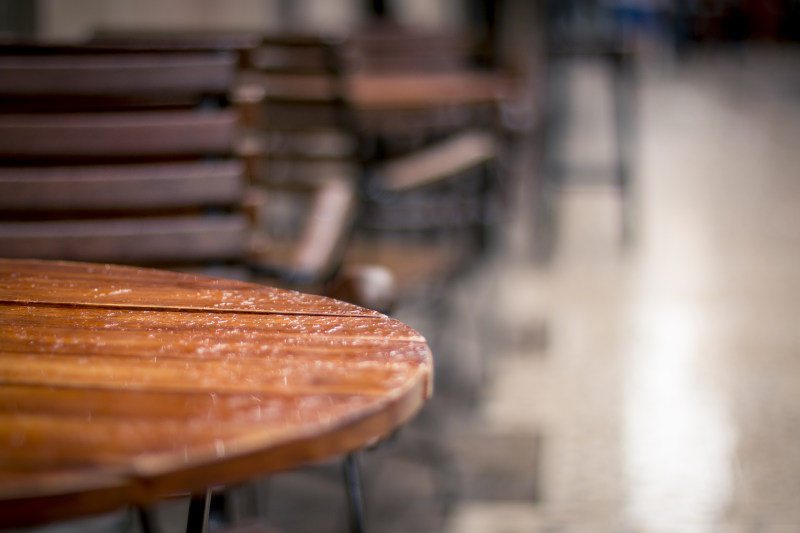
<point x="107" y="187"/>
<point x="301" y="146"/>
<point x="438" y="161"/>
<point x="116" y="74"/>
<point x="130" y="240"/>
<point x="126" y="134"/>
<point x="321" y="243"/>
<point x="121" y="155"/>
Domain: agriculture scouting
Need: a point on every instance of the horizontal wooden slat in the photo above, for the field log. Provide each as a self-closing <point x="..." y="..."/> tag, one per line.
<point x="172" y="405"/>
<point x="139" y="134"/>
<point x="211" y="376"/>
<point x="106" y="187"/>
<point x="437" y="162"/>
<point x="173" y="39"/>
<point x="38" y="282"/>
<point x="323" y="240"/>
<point x="62" y="73"/>
<point x="298" y="115"/>
<point x="415" y="90"/>
<point x="167" y="239"/>
<point x="178" y="334"/>
<point x="282" y="56"/>
<point x="311" y="87"/>
<point x="107" y="441"/>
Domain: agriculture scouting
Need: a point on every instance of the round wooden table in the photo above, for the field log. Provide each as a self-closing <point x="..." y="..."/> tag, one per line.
<point x="120" y="386"/>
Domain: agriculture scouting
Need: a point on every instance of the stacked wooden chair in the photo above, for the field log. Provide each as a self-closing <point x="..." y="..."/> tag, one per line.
<point x="132" y="150"/>
<point x="431" y="178"/>
<point x="120" y="156"/>
<point x="301" y="147"/>
<point x="425" y="174"/>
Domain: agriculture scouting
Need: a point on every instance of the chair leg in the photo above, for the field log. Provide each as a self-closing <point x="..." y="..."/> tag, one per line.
<point x="199" y="505"/>
<point x="355" y="499"/>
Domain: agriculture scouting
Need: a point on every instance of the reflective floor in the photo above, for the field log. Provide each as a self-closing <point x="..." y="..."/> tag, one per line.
<point x="667" y="389"/>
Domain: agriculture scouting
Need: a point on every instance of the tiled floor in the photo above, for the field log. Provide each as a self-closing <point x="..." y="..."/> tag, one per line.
<point x="648" y="390"/>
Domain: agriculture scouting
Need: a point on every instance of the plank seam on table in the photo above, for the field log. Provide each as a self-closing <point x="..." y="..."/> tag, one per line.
<point x="414" y="336"/>
<point x="162" y="308"/>
<point x="80" y="272"/>
<point x="188" y="391"/>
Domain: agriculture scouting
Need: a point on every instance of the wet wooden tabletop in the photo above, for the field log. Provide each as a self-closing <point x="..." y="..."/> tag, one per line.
<point x="122" y="386"/>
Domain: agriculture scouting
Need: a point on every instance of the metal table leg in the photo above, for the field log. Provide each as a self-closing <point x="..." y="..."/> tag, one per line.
<point x="355" y="500"/>
<point x="199" y="505"/>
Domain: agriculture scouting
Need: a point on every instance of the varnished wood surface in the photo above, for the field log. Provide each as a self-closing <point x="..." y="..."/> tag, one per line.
<point x="126" y="187"/>
<point x="142" y="134"/>
<point x="386" y="103"/>
<point x="392" y="91"/>
<point x="121" y="385"/>
<point x="73" y="71"/>
<point x="151" y="240"/>
<point x="396" y="91"/>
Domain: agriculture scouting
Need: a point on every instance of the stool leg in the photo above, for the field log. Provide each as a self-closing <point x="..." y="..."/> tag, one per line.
<point x="624" y="107"/>
<point x="551" y="168"/>
<point x="199" y="505"/>
<point x="355" y="500"/>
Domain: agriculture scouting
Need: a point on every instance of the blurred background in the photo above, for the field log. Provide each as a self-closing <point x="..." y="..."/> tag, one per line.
<point x="614" y="331"/>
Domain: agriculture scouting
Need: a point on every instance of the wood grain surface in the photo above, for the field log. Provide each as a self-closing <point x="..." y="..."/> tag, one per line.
<point x="121" y="386"/>
<point x="409" y="90"/>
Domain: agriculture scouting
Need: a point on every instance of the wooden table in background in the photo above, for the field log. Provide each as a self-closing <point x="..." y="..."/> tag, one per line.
<point x="381" y="91"/>
<point x="389" y="102"/>
<point x="121" y="386"/>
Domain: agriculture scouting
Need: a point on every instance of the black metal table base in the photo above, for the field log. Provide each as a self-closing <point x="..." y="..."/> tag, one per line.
<point x="199" y="505"/>
<point x="355" y="499"/>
